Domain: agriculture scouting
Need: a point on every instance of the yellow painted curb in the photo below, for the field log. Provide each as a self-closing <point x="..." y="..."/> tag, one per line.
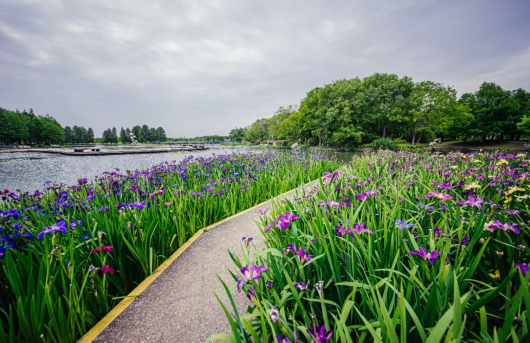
<point x="118" y="309"/>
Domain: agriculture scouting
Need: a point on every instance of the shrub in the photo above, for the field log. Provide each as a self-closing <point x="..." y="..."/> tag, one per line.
<point x="383" y="144"/>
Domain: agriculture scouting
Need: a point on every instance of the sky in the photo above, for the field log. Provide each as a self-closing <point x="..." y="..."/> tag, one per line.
<point x="204" y="67"/>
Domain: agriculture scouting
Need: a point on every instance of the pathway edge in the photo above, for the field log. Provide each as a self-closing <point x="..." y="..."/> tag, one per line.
<point x="118" y="309"/>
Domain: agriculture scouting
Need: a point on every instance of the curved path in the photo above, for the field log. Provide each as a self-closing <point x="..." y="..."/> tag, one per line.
<point x="178" y="304"/>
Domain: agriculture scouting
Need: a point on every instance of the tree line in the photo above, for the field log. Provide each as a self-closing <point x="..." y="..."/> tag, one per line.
<point x="143" y="134"/>
<point x="78" y="134"/>
<point x="28" y="128"/>
<point x="207" y="138"/>
<point x="358" y="111"/>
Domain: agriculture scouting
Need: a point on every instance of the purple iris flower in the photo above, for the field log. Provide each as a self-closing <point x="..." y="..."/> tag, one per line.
<point x="138" y="204"/>
<point x="362" y="196"/>
<point x="304" y="256"/>
<point x="425" y="255"/>
<point x="246" y="241"/>
<point x="284" y="339"/>
<point x="465" y="240"/>
<point x="59" y="227"/>
<point x="320" y="335"/>
<point x="302" y="286"/>
<point x="251" y="293"/>
<point x="274" y="314"/>
<point x="504" y="227"/>
<point x="472" y="202"/>
<point x="439" y="233"/>
<point x="361" y="228"/>
<point x="402" y="224"/>
<point x="524" y="268"/>
<point x="252" y="273"/>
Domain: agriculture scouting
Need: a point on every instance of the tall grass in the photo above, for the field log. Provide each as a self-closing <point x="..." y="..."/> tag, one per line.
<point x="346" y="263"/>
<point x="69" y="254"/>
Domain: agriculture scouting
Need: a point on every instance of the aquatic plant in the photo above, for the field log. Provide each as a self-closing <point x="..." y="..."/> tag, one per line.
<point x="384" y="269"/>
<point x="70" y="253"/>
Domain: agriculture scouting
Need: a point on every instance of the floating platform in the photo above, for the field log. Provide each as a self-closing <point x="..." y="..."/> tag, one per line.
<point x="88" y="152"/>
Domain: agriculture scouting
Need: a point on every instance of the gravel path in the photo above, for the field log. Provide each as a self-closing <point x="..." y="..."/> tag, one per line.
<point x="179" y="306"/>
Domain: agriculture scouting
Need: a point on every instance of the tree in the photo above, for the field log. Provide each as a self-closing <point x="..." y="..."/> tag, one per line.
<point x="68" y="134"/>
<point x="524" y="126"/>
<point x="114" y="135"/>
<point x="386" y="98"/>
<point x="123" y="135"/>
<point x="431" y="103"/>
<point x="153" y="134"/>
<point x="144" y="134"/>
<point x="237" y="134"/>
<point x="136" y="131"/>
<point x="128" y="135"/>
<point x="161" y="134"/>
<point x="495" y="111"/>
<point x="14" y="128"/>
<point x="258" y="131"/>
<point x="52" y="132"/>
<point x="90" y="135"/>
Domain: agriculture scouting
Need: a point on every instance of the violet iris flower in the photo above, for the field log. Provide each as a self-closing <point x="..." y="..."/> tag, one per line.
<point x="246" y="241"/>
<point x="361" y="228"/>
<point x="284" y="339"/>
<point x="320" y="335"/>
<point x="465" y="240"/>
<point x="252" y="273"/>
<point x="439" y="233"/>
<point x="59" y="227"/>
<point x="402" y="224"/>
<point x="302" y="286"/>
<point x="504" y="227"/>
<point x="441" y="196"/>
<point x="362" y="196"/>
<point x="274" y="314"/>
<point x="251" y="293"/>
<point x="472" y="202"/>
<point x="425" y="255"/>
<point x="524" y="268"/>
<point x="304" y="256"/>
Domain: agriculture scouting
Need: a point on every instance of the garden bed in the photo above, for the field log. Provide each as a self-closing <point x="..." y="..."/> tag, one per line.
<point x="70" y="253"/>
<point x="394" y="247"/>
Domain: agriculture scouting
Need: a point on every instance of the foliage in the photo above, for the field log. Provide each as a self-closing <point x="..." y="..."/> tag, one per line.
<point x="352" y="112"/>
<point x="69" y="253"/>
<point x="78" y="134"/>
<point x="383" y="144"/>
<point x="388" y="250"/>
<point x="237" y="134"/>
<point x="28" y="128"/>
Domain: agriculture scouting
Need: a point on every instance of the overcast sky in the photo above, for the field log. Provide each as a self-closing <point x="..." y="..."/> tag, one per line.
<point x="204" y="67"/>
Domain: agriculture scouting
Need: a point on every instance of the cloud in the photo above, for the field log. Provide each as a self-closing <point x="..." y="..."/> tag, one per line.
<point x="205" y="67"/>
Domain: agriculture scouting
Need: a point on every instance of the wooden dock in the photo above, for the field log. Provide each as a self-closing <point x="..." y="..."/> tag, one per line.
<point x="89" y="152"/>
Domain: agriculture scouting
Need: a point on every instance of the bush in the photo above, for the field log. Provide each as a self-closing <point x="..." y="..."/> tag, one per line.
<point x="383" y="144"/>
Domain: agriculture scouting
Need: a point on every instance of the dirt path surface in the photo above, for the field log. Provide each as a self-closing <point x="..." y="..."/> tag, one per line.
<point x="179" y="306"/>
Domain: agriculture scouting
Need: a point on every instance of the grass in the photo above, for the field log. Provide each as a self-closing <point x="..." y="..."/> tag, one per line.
<point x="70" y="253"/>
<point x="394" y="247"/>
